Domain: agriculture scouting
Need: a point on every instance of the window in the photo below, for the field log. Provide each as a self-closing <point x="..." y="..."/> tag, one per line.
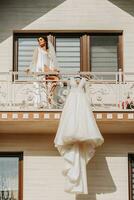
<point x="67" y="50"/>
<point x="68" y="53"/>
<point x="96" y="51"/>
<point x="25" y="52"/>
<point x="11" y="176"/>
<point x="104" y="53"/>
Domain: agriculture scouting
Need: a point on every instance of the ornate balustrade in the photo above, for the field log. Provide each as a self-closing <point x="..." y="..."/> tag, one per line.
<point x="105" y="91"/>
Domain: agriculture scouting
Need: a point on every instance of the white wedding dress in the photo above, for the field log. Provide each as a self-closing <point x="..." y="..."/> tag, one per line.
<point x="77" y="137"/>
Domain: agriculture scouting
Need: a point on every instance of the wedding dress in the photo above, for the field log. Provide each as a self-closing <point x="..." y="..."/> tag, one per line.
<point x="77" y="137"/>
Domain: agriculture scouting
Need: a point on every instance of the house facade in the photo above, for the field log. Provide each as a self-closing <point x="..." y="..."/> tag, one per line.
<point x="90" y="36"/>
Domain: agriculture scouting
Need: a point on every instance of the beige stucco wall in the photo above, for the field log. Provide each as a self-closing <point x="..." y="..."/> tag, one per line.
<point x="107" y="171"/>
<point x="77" y="14"/>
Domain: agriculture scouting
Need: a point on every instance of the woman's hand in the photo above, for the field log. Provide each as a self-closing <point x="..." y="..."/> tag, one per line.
<point x="49" y="69"/>
<point x="56" y="70"/>
<point x="46" y="69"/>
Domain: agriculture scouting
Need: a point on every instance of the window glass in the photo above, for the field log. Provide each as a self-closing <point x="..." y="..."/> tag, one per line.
<point x="9" y="178"/>
<point x="68" y="53"/>
<point x="104" y="54"/>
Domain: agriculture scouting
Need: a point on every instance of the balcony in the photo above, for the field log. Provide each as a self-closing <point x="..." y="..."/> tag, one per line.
<point x="111" y="96"/>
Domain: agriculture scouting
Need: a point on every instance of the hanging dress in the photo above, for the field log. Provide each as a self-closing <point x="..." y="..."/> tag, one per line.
<point x="77" y="137"/>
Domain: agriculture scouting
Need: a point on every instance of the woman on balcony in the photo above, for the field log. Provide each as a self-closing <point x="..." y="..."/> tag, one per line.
<point x="44" y="60"/>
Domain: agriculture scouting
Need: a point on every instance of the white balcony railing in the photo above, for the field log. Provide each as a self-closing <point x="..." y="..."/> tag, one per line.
<point x="106" y="91"/>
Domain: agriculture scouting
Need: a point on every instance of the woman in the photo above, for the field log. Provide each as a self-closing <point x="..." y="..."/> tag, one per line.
<point x="44" y="60"/>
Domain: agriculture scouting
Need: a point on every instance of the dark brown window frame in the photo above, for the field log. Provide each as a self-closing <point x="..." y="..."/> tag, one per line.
<point x="130" y="158"/>
<point x="20" y="175"/>
<point x="85" y="41"/>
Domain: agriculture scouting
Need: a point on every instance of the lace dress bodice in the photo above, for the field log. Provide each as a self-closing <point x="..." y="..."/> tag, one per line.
<point x="77" y="86"/>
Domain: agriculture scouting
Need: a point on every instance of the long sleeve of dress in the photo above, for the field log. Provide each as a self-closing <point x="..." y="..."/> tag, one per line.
<point x="34" y="60"/>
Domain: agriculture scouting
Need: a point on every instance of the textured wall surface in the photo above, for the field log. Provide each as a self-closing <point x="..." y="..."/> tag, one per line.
<point x="69" y="14"/>
<point x="16" y="14"/>
<point x="107" y="172"/>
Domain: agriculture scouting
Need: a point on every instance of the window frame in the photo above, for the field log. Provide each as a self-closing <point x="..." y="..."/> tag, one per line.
<point x="20" y="170"/>
<point x="85" y="43"/>
<point x="130" y="158"/>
